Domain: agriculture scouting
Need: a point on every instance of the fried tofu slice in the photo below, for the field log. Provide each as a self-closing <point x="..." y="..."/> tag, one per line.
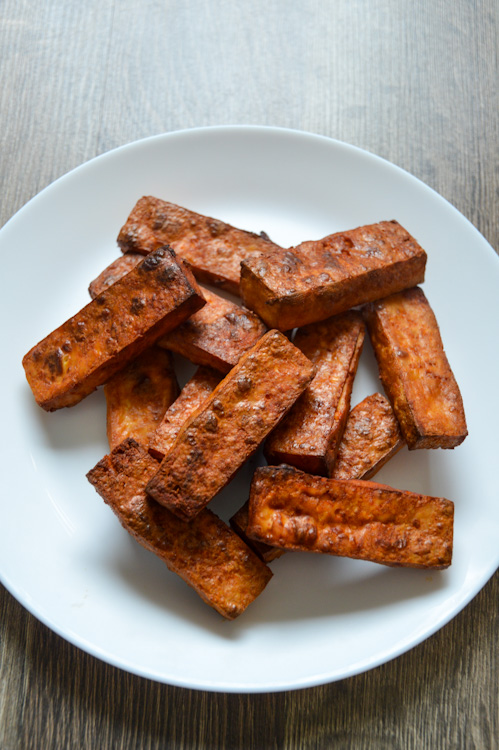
<point x="114" y="271"/>
<point x="350" y="518"/>
<point x="415" y="371"/>
<point x="309" y="436"/>
<point x="371" y="437"/>
<point x="217" y="335"/>
<point x="212" y="248"/>
<point x="317" y="279"/>
<point x="205" y="553"/>
<point x="138" y="396"/>
<point x="111" y="330"/>
<point x="227" y="430"/>
<point x="192" y="396"/>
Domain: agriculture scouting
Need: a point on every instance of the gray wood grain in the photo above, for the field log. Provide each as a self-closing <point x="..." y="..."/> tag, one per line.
<point x="416" y="83"/>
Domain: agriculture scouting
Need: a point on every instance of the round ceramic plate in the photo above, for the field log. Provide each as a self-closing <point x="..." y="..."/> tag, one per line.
<point x="64" y="555"/>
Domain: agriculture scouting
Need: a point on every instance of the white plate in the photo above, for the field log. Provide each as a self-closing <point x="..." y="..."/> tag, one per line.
<point x="64" y="555"/>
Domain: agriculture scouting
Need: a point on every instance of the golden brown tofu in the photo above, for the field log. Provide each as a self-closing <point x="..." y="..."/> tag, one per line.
<point x="309" y="435"/>
<point x="311" y="282"/>
<point x="114" y="271"/>
<point x="350" y="518"/>
<point x="217" y="335"/>
<point x="210" y="557"/>
<point x="111" y="330"/>
<point x="415" y="372"/>
<point x="228" y="429"/>
<point x="239" y="523"/>
<point x="138" y="396"/>
<point x="371" y="437"/>
<point x="193" y="395"/>
<point x="213" y="249"/>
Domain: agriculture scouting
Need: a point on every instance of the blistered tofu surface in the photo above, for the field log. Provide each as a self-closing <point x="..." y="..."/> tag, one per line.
<point x="415" y="371"/>
<point x="112" y="329"/>
<point x="316" y="279"/>
<point x="236" y="418"/>
<point x="350" y="518"/>
<point x="206" y="553"/>
<point x="217" y="335"/>
<point x="211" y="247"/>
<point x="309" y="434"/>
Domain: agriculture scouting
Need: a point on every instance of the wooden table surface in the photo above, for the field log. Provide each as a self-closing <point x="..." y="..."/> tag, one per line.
<point x="414" y="81"/>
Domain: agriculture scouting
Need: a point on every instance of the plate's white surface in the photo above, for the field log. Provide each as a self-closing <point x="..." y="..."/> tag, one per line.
<point x="64" y="555"/>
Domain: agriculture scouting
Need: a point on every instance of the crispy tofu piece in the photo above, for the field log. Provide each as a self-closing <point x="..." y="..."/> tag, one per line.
<point x="371" y="437"/>
<point x="311" y="282"/>
<point x="114" y="271"/>
<point x="228" y="429"/>
<point x="350" y="518"/>
<point x="138" y="396"/>
<point x="239" y="523"/>
<point x="193" y="395"/>
<point x="217" y="335"/>
<point x="415" y="372"/>
<point x="212" y="248"/>
<point x="111" y="330"/>
<point x="209" y="557"/>
<point x="309" y="435"/>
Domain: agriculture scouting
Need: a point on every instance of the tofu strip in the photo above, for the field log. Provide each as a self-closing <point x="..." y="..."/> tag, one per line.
<point x="309" y="435"/>
<point x="217" y="335"/>
<point x="111" y="330"/>
<point x="317" y="279"/>
<point x="213" y="249"/>
<point x="206" y="554"/>
<point x="350" y="518"/>
<point x="193" y="395"/>
<point x="228" y="429"/>
<point x="371" y="437"/>
<point x="114" y="271"/>
<point x="415" y="372"/>
<point x="138" y="396"/>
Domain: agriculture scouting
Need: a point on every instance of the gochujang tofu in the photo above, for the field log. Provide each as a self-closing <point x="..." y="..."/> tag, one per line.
<point x="111" y="330"/>
<point x="212" y="248"/>
<point x="350" y="518"/>
<point x="371" y="437"/>
<point x="415" y="371"/>
<point x="206" y="553"/>
<point x="317" y="279"/>
<point x="217" y="335"/>
<point x="309" y="435"/>
<point x="138" y="396"/>
<point x="192" y="396"/>
<point x="228" y="429"/>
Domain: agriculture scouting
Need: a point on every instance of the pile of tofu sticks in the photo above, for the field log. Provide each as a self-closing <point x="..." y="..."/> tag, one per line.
<point x="276" y="371"/>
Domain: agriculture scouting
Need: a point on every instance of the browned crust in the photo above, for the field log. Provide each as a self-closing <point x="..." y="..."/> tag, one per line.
<point x="415" y="372"/>
<point x="228" y="429"/>
<point x="192" y="396"/>
<point x="309" y="436"/>
<point x="138" y="396"/>
<point x="311" y="282"/>
<point x="239" y="522"/>
<point x="212" y="248"/>
<point x="111" y="330"/>
<point x="205" y="553"/>
<point x="350" y="518"/>
<point x="371" y="437"/>
<point x="114" y="271"/>
<point x="217" y="335"/>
